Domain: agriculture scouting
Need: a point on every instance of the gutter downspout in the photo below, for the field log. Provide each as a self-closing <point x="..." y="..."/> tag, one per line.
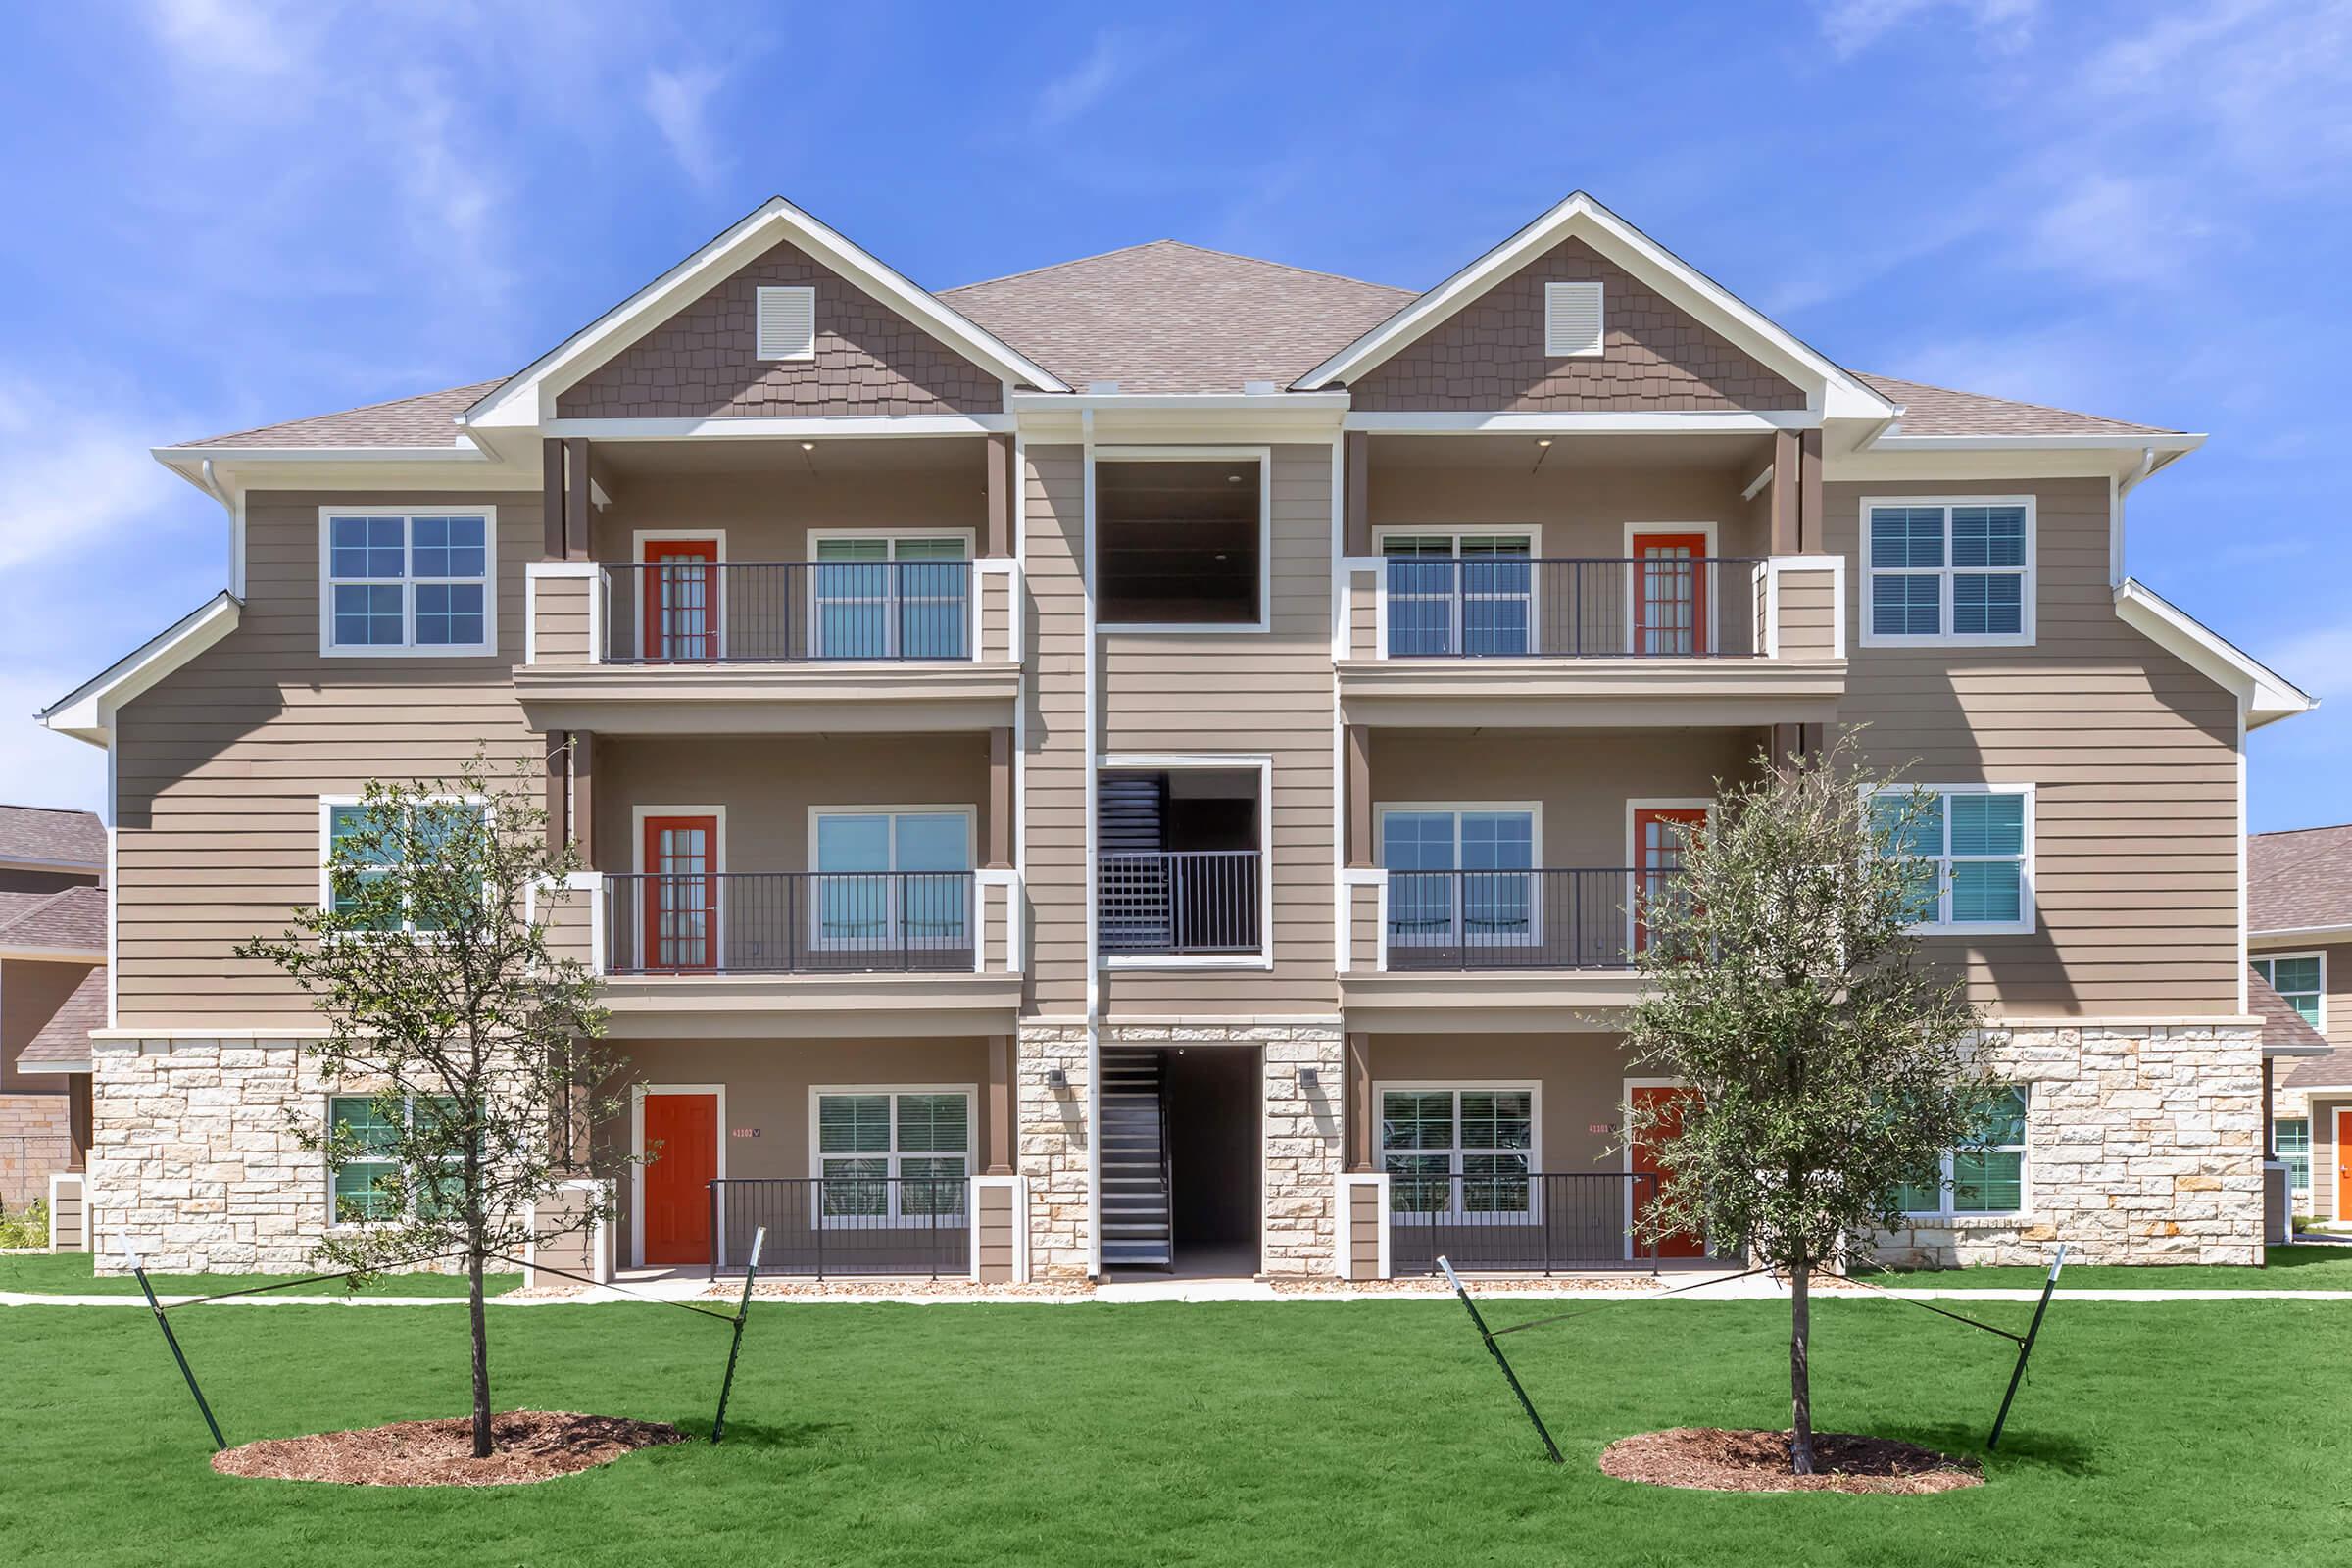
<point x="237" y="525"/>
<point x="1094" y="960"/>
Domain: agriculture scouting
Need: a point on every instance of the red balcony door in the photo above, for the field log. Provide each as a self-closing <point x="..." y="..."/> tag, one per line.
<point x="1659" y="835"/>
<point x="681" y="600"/>
<point x="681" y="893"/>
<point x="681" y="1132"/>
<point x="1666" y="1103"/>
<point x="1670" y="593"/>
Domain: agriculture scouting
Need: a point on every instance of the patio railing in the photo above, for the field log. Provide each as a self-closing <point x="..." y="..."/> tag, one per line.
<point x="1514" y="607"/>
<point x="791" y="612"/>
<point x="1517" y="1223"/>
<point x="788" y="923"/>
<point x="838" y="1227"/>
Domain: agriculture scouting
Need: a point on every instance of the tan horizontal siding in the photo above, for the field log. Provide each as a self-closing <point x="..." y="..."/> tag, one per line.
<point x="1053" y="807"/>
<point x="559" y="606"/>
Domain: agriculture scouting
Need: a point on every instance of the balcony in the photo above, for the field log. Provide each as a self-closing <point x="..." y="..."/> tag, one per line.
<point x="1662" y="638"/>
<point x="686" y="646"/>
<point x="1192" y="904"/>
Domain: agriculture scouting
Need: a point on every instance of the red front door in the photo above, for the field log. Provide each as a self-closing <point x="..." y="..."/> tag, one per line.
<point x="681" y="1132"/>
<point x="681" y="893"/>
<point x="1670" y="592"/>
<point x="1659" y="833"/>
<point x="1667" y="1102"/>
<point x="681" y="599"/>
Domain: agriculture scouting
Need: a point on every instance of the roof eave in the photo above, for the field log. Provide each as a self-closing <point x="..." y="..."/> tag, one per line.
<point x="87" y="712"/>
<point x="2267" y="694"/>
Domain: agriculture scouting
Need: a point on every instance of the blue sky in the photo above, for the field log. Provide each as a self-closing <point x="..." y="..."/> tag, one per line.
<point x="229" y="212"/>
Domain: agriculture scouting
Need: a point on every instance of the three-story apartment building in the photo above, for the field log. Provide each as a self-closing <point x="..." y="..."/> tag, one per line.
<point x="1158" y="759"/>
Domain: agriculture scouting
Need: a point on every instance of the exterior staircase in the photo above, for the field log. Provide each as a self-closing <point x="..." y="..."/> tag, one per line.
<point x="1136" y="1229"/>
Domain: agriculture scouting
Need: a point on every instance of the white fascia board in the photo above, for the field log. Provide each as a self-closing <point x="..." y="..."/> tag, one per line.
<point x="832" y="427"/>
<point x="31" y="954"/>
<point x="2284" y="936"/>
<point x="2267" y="695"/>
<point x="87" y="712"/>
<point x="528" y="398"/>
<point x="1175" y="402"/>
<point x="1895" y="441"/>
<point x="1837" y="394"/>
<point x="193" y="456"/>
<point x="1669" y="421"/>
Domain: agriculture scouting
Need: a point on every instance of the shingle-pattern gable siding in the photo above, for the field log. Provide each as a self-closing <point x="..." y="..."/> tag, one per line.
<point x="1489" y="354"/>
<point x="703" y="361"/>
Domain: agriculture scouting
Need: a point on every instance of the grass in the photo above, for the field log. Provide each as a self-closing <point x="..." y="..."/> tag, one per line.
<point x="1367" y="1432"/>
<point x="2316" y="1266"/>
<point x="70" y="1274"/>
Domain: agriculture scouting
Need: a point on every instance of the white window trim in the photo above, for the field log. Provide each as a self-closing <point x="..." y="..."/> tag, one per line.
<point x="970" y="539"/>
<point x="639" y="538"/>
<point x="1156" y="763"/>
<point x="1459" y="1087"/>
<point x="2310" y="1151"/>
<point x="1600" y="315"/>
<point x="407" y="647"/>
<point x="1535" y="813"/>
<point x="2027" y="594"/>
<point x="971" y="828"/>
<point x="718" y="868"/>
<point x="1457" y="532"/>
<point x="759" y="294"/>
<point x="1263" y="457"/>
<point x="637" y="1095"/>
<point x="1713" y="630"/>
<point x="409" y="1114"/>
<point x="2025" y="1177"/>
<point x="890" y="1214"/>
<point x="1633" y="850"/>
<point x="1942" y="926"/>
<point x="2319" y="954"/>
<point x="326" y="841"/>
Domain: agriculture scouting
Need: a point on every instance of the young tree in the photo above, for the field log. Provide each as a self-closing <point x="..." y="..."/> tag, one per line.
<point x="475" y="1046"/>
<point x="1827" y="1064"/>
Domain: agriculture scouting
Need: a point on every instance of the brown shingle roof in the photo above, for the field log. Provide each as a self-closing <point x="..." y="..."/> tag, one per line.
<point x="36" y="833"/>
<point x="2332" y="1071"/>
<point x="2298" y="880"/>
<point x="72" y="918"/>
<point x="1167" y="316"/>
<point x="65" y="1040"/>
<point x="423" y="420"/>
<point x="1940" y="411"/>
<point x="2281" y="1024"/>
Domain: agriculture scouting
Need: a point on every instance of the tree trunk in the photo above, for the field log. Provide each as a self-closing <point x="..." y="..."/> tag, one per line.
<point x="1801" y="1368"/>
<point x="481" y="1354"/>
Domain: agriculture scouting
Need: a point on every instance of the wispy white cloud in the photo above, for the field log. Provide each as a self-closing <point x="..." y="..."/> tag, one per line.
<point x="1108" y="62"/>
<point x="1850" y="27"/>
<point x="679" y="102"/>
<point x="70" y="474"/>
<point x="39" y="768"/>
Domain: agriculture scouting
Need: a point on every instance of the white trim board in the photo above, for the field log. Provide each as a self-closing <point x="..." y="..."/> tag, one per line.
<point x="87" y="712"/>
<point x="1170" y="762"/>
<point x="2267" y="694"/>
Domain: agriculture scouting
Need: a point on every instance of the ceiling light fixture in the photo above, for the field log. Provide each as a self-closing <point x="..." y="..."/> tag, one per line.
<point x="811" y="446"/>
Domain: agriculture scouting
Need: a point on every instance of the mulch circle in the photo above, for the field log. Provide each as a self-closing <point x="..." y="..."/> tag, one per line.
<point x="1712" y="1459"/>
<point x="532" y="1445"/>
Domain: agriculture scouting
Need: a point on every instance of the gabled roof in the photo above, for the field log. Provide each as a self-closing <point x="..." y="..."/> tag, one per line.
<point x="2332" y="1071"/>
<point x="519" y="400"/>
<point x="1940" y="411"/>
<point x="63" y="1044"/>
<point x="2299" y="880"/>
<point x="2267" y="695"/>
<point x="2285" y="1031"/>
<point x="426" y="419"/>
<point x="36" y="835"/>
<point x="87" y="712"/>
<point x="71" y="920"/>
<point x="1167" y="318"/>
<point x="1843" y="395"/>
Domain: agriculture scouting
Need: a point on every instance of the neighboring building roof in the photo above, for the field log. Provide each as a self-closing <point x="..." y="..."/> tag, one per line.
<point x="1170" y="318"/>
<point x="1940" y="411"/>
<point x="2285" y="1031"/>
<point x="73" y="919"/>
<point x="2299" y="880"/>
<point x="2332" y="1071"/>
<point x="63" y="1044"/>
<point x="68" y="840"/>
<point x="427" y="420"/>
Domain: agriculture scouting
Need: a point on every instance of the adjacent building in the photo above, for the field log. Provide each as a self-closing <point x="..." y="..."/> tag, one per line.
<point x="2299" y="939"/>
<point x="1156" y="761"/>
<point x="52" y="994"/>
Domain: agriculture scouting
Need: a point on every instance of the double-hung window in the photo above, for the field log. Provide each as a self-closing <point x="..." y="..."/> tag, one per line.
<point x="362" y="1187"/>
<point x="1461" y="875"/>
<point x="1460" y="594"/>
<point x="1458" y="1150"/>
<point x="893" y="598"/>
<point x="1974" y="843"/>
<point x="887" y="1154"/>
<point x="893" y="879"/>
<point x="2290" y="1146"/>
<point x="427" y="824"/>
<point x="1954" y="571"/>
<point x="408" y="582"/>
<point x="2301" y="978"/>
<point x="1990" y="1179"/>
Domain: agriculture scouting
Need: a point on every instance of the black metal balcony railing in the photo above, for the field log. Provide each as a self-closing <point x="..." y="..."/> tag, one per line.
<point x="831" y="1227"/>
<point x="1519" y="1223"/>
<point x="1541" y="920"/>
<point x="789" y="922"/>
<point x="1178" y="902"/>
<point x="746" y="613"/>
<point x="1513" y="607"/>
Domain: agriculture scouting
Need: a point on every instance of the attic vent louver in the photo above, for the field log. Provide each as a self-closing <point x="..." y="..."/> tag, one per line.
<point x="1572" y="319"/>
<point x="787" y="329"/>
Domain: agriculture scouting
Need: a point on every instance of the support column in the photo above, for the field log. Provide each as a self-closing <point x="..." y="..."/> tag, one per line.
<point x="1359" y="795"/>
<point x="1810" y="537"/>
<point x="1357" y="450"/>
<point x="559" y="788"/>
<point x="577" y="510"/>
<point x="79" y="1120"/>
<point x="1000" y="799"/>
<point x="1785" y="464"/>
<point x="583" y="804"/>
<point x="999" y="461"/>
<point x="551" y="499"/>
<point x="2270" y="1139"/>
<point x="1359" y="1102"/>
<point x="1000" y="1106"/>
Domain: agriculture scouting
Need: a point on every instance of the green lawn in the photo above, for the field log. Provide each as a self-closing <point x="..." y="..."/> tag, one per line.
<point x="69" y="1274"/>
<point x="2314" y="1266"/>
<point x="1357" y="1432"/>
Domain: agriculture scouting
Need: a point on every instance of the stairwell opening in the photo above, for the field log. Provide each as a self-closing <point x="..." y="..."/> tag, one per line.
<point x="1182" y="1151"/>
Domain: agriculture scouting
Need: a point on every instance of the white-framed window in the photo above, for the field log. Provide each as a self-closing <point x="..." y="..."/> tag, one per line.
<point x="889" y="1153"/>
<point x="356" y="1193"/>
<point x="1572" y="321"/>
<point x="1989" y="1179"/>
<point x="1459" y="1148"/>
<point x="1952" y="571"/>
<point x="394" y="582"/>
<point x="891" y="596"/>
<point x="787" y="323"/>
<point x="1460" y="592"/>
<point x="2301" y="978"/>
<point x="1462" y="873"/>
<point x="892" y="877"/>
<point x="2290" y="1146"/>
<point x="1978" y="838"/>
<point x="340" y="816"/>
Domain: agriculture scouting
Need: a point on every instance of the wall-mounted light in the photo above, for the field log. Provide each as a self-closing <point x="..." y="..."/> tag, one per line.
<point x="1311" y="1079"/>
<point x="1056" y="1078"/>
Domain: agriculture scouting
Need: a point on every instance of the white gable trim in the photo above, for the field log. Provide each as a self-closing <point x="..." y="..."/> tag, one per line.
<point x="88" y="712"/>
<point x="1829" y="389"/>
<point x="530" y="395"/>
<point x="2266" y="694"/>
